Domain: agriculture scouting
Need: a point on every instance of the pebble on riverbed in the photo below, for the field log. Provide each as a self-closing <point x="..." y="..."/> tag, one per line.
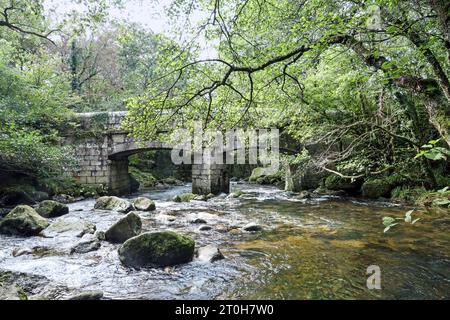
<point x="252" y="227"/>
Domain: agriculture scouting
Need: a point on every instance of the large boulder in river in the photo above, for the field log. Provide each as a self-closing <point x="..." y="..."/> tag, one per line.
<point x="113" y="203"/>
<point x="124" y="229"/>
<point x="157" y="249"/>
<point x="52" y="209"/>
<point x="144" y="204"/>
<point x="69" y="226"/>
<point x="23" y="221"/>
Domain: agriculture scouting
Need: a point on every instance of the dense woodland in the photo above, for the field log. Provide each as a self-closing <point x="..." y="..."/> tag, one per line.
<point x="367" y="81"/>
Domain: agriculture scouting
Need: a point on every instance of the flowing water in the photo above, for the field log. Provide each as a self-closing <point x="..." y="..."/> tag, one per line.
<point x="316" y="248"/>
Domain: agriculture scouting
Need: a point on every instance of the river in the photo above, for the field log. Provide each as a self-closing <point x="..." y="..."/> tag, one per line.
<point x="316" y="248"/>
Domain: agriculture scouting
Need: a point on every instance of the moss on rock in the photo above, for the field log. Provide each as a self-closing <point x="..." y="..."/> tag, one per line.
<point x="337" y="183"/>
<point x="376" y="188"/>
<point x="184" y="197"/>
<point x="157" y="249"/>
<point x="51" y="209"/>
<point x="23" y="221"/>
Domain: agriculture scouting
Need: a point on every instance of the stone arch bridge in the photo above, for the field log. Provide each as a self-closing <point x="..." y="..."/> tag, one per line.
<point x="102" y="148"/>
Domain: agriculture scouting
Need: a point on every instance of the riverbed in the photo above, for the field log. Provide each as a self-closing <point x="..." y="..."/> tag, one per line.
<point x="314" y="248"/>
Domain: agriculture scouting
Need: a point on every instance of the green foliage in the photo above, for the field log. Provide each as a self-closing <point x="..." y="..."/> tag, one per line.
<point x="433" y="152"/>
<point x="146" y="179"/>
<point x="390" y="222"/>
<point x="27" y="151"/>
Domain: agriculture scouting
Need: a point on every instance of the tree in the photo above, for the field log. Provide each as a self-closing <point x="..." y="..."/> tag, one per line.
<point x="268" y="50"/>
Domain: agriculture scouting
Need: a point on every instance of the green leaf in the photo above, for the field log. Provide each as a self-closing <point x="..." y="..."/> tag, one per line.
<point x="387" y="221"/>
<point x="443" y="190"/>
<point x="442" y="202"/>
<point x="408" y="216"/>
<point x="389" y="227"/>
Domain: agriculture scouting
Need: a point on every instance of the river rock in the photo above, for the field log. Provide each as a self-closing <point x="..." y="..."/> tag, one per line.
<point x="64" y="198"/>
<point x="204" y="228"/>
<point x="113" y="203"/>
<point x="184" y="197"/>
<point x="144" y="204"/>
<point x="69" y="226"/>
<point x="376" y="188"/>
<point x="252" y="227"/>
<point x="88" y="243"/>
<point x="209" y="253"/>
<point x="198" y="221"/>
<point x="124" y="229"/>
<point x="52" y="209"/>
<point x="12" y="292"/>
<point x="16" y="196"/>
<point x="200" y="197"/>
<point x="235" y="194"/>
<point x="303" y="195"/>
<point x="23" y="221"/>
<point x="88" y="295"/>
<point x="158" y="249"/>
<point x="100" y="235"/>
<point x="17" y="252"/>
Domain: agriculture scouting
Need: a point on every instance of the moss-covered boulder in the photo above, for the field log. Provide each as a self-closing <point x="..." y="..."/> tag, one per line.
<point x="23" y="221"/>
<point x="114" y="204"/>
<point x="266" y="176"/>
<point x="376" y="188"/>
<point x="51" y="209"/>
<point x="184" y="197"/>
<point x="336" y="183"/>
<point x="157" y="249"/>
<point x="258" y="173"/>
<point x="124" y="229"/>
<point x="144" y="204"/>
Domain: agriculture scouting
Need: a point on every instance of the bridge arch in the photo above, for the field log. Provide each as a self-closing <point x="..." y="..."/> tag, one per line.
<point x="103" y="159"/>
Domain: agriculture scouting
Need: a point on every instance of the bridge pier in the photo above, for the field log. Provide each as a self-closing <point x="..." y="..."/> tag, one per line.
<point x="119" y="178"/>
<point x="210" y="178"/>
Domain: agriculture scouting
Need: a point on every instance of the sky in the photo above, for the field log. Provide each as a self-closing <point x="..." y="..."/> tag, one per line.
<point x="149" y="13"/>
